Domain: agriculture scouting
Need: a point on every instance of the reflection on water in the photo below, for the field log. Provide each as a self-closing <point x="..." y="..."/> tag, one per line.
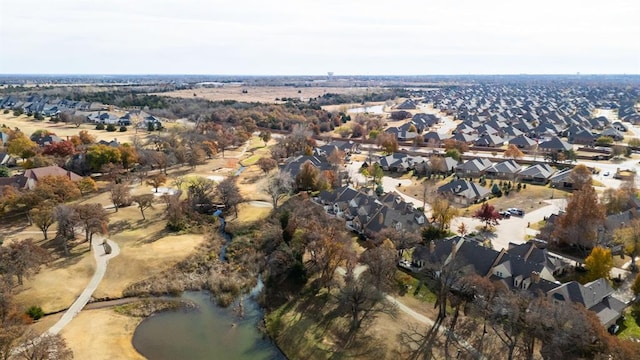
<point x="210" y="332"/>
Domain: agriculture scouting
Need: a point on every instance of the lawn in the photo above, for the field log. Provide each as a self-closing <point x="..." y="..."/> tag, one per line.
<point x="630" y="328"/>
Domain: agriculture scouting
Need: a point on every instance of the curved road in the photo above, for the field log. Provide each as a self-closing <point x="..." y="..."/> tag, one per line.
<point x="101" y="267"/>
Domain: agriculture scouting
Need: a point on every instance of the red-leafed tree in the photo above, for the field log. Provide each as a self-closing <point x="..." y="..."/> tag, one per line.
<point x="60" y="149"/>
<point x="488" y="215"/>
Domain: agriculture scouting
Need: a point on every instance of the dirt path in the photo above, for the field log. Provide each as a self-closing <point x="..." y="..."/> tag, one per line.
<point x="101" y="267"/>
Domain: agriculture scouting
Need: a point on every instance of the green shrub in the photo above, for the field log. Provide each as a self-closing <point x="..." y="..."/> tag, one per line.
<point x="35" y="312"/>
<point x="100" y="126"/>
<point x="123" y="128"/>
<point x="111" y="128"/>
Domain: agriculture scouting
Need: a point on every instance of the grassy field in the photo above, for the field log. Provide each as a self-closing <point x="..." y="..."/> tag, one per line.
<point x="264" y="94"/>
<point x="28" y="125"/>
<point x="102" y="335"/>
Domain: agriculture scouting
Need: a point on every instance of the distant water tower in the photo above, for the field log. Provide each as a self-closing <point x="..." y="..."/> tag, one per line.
<point x="330" y="75"/>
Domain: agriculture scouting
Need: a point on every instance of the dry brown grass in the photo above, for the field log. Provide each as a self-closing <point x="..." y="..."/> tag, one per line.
<point x="264" y="94"/>
<point x="146" y="249"/>
<point x="102" y="334"/>
<point x="58" y="284"/>
<point x="28" y="126"/>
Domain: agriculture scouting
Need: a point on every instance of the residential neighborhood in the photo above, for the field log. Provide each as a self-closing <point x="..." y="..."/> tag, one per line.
<point x="492" y="200"/>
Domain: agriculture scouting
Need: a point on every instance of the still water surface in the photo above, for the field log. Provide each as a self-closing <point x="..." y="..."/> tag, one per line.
<point x="209" y="332"/>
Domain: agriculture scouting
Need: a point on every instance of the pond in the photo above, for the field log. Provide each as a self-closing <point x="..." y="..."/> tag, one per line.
<point x="209" y="332"/>
<point x="375" y="109"/>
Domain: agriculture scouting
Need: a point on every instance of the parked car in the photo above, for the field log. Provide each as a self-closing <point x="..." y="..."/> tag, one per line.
<point x="606" y="173"/>
<point x="516" y="212"/>
<point x="613" y="329"/>
<point x="505" y="214"/>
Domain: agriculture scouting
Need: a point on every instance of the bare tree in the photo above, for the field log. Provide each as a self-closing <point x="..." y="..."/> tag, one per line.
<point x="93" y="219"/>
<point x="362" y="303"/>
<point x="144" y="202"/>
<point x="200" y="192"/>
<point x="156" y="181"/>
<point x="278" y="186"/>
<point x="120" y="195"/>
<point x="67" y="220"/>
<point x="21" y="259"/>
<point x="229" y="194"/>
<point x="44" y="347"/>
<point x="42" y="216"/>
<point x="78" y="120"/>
<point x="381" y="265"/>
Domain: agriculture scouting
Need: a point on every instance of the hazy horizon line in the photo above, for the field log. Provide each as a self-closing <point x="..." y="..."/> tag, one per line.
<point x="319" y="75"/>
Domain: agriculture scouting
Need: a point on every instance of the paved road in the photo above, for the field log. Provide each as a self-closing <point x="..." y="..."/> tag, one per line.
<point x="101" y="267"/>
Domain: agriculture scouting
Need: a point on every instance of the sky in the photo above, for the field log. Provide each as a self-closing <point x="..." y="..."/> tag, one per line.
<point x="302" y="37"/>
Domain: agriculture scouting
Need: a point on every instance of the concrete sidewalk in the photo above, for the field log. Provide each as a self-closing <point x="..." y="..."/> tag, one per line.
<point x="101" y="267"/>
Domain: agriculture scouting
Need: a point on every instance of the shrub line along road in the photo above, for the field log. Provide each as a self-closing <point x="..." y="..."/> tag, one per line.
<point x="101" y="267"/>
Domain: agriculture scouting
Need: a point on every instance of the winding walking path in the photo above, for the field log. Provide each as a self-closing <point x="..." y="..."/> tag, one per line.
<point x="101" y="267"/>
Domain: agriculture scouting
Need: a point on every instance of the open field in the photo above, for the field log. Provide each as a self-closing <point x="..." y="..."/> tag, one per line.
<point x="264" y="94"/>
<point x="28" y="125"/>
<point x="146" y="249"/>
<point x="102" y="334"/>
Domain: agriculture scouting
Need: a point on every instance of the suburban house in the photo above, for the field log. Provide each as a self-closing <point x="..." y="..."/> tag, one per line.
<point x="325" y="150"/>
<point x="464" y="192"/>
<point x="562" y="179"/>
<point x="474" y="167"/>
<point x="467" y="138"/>
<point x="582" y="136"/>
<point x="29" y="179"/>
<point x="596" y="296"/>
<point x="434" y="139"/>
<point x="523" y="267"/>
<point x="507" y="170"/>
<point x="293" y="167"/>
<point x="523" y="142"/>
<point x="46" y="140"/>
<point x="613" y="133"/>
<point x="536" y="174"/>
<point x="555" y="144"/>
<point x="7" y="160"/>
<point x="407" y="105"/>
<point x="619" y="126"/>
<point x="399" y="162"/>
<point x="617" y="221"/>
<point x="103" y="118"/>
<point x="367" y="214"/>
<point x="402" y="134"/>
<point x="489" y="140"/>
<point x="424" y="121"/>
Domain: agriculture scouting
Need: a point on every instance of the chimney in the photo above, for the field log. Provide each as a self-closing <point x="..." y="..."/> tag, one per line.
<point x="535" y="277"/>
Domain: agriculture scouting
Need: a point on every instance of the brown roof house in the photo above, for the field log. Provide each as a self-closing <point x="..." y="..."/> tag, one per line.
<point x="33" y="175"/>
